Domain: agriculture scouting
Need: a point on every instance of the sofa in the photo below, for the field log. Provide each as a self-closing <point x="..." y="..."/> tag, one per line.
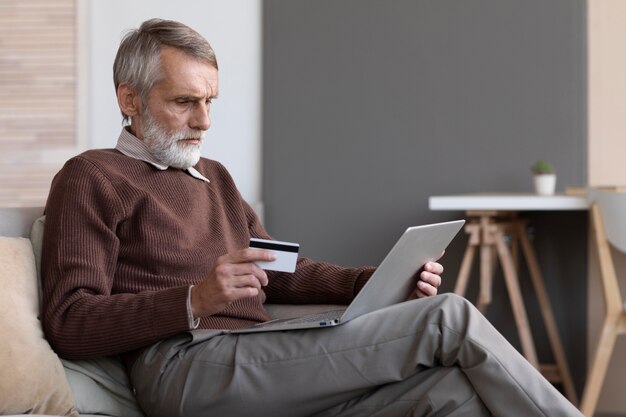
<point x="33" y="379"/>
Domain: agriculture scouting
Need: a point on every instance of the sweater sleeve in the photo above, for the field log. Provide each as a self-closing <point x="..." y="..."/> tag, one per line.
<point x="82" y="318"/>
<point x="316" y="283"/>
<point x="312" y="282"/>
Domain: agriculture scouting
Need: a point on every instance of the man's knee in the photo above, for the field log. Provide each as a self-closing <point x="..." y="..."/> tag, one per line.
<point x="455" y="304"/>
<point x="455" y="313"/>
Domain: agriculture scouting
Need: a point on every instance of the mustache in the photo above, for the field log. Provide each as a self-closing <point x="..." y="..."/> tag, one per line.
<point x="188" y="134"/>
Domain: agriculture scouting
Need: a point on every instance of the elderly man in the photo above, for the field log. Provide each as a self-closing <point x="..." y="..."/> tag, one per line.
<point x="145" y="255"/>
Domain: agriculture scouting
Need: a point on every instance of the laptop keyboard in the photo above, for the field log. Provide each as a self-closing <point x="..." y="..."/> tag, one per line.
<point x="326" y="316"/>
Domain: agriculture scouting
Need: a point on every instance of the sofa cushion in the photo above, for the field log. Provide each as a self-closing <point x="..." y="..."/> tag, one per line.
<point x="100" y="386"/>
<point x="32" y="378"/>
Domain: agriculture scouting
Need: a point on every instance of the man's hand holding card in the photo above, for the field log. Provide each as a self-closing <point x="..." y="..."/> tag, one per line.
<point x="286" y="254"/>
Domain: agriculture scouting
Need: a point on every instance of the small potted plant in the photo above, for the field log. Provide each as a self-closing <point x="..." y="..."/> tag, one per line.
<point x="544" y="178"/>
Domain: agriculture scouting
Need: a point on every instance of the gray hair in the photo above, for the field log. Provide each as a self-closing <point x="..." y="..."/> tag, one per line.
<point x="138" y="59"/>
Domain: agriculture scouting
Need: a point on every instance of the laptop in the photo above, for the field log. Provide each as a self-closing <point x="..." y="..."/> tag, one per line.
<point x="392" y="282"/>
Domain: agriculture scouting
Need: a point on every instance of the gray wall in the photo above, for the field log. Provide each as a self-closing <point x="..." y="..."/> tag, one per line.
<point x="370" y="107"/>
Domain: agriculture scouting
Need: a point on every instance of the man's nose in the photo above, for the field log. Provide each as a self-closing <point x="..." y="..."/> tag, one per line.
<point x="201" y="119"/>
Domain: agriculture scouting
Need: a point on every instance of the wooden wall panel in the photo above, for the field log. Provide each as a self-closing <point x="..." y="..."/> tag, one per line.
<point x="38" y="94"/>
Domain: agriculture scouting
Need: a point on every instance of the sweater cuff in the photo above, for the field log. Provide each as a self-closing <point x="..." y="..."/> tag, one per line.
<point x="170" y="314"/>
<point x="193" y="323"/>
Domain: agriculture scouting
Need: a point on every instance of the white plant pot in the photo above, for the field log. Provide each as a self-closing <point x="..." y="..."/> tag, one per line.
<point x="545" y="184"/>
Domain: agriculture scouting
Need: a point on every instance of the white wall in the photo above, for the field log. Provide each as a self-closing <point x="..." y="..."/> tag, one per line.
<point x="233" y="27"/>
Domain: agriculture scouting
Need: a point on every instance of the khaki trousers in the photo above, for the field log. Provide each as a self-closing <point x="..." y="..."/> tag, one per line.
<point x="436" y="356"/>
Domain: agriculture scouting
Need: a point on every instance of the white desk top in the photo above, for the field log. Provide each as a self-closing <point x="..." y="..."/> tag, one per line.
<point x="508" y="202"/>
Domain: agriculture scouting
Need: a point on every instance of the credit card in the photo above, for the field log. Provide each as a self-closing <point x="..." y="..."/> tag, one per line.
<point x="286" y="252"/>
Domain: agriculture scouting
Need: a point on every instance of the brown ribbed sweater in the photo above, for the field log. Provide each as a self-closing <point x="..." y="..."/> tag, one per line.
<point x="124" y="241"/>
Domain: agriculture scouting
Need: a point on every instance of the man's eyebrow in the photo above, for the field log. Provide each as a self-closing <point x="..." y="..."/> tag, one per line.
<point x="192" y="97"/>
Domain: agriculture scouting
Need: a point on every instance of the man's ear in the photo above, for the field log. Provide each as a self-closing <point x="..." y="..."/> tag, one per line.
<point x="128" y="100"/>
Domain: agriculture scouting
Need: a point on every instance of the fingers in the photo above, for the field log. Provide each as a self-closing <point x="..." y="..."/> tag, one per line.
<point x="429" y="280"/>
<point x="235" y="276"/>
<point x="242" y="262"/>
<point x="425" y="290"/>
<point x="241" y="286"/>
<point x="434" y="267"/>
<point x="249" y="255"/>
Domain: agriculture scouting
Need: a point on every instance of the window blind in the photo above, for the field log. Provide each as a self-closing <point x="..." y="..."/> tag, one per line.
<point x="38" y="91"/>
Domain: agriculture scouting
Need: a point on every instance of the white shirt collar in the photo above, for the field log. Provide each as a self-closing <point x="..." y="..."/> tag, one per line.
<point x="135" y="148"/>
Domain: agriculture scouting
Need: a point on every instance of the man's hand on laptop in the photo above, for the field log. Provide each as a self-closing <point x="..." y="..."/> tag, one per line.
<point x="429" y="280"/>
<point x="235" y="276"/>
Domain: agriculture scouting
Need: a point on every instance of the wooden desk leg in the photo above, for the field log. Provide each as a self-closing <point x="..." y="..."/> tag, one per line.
<point x="599" y="366"/>
<point x="489" y="236"/>
<point x="468" y="258"/>
<point x="517" y="303"/>
<point x="484" y="292"/>
<point x="487" y="263"/>
<point x="515" y="248"/>
<point x="548" y="316"/>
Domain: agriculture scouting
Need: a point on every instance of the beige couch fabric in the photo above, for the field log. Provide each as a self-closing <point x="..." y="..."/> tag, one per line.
<point x="32" y="378"/>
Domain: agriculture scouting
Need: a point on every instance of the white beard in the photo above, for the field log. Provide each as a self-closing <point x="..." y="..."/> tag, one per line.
<point x="164" y="145"/>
